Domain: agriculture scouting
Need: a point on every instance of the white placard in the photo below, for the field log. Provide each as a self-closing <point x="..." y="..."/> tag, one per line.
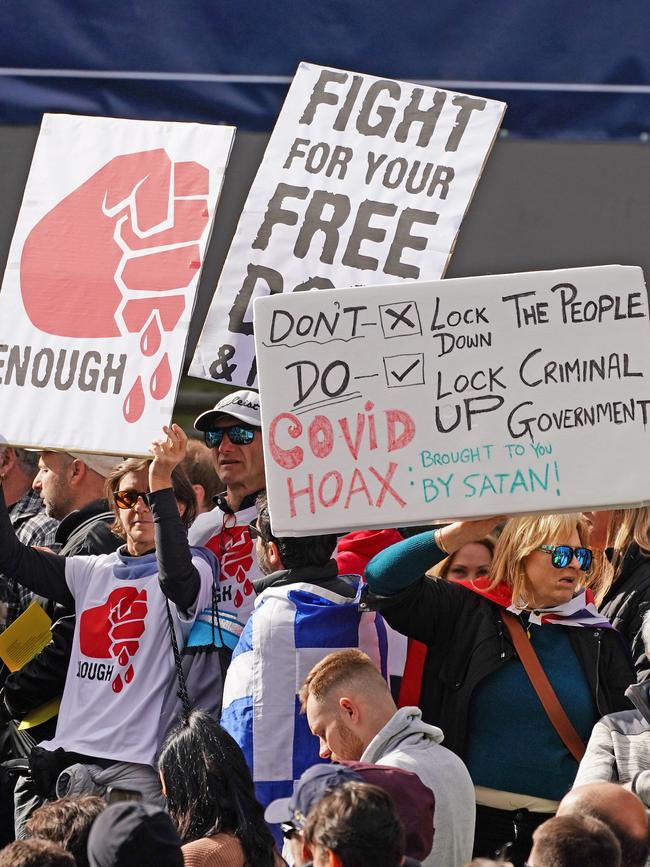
<point x="101" y="280"/>
<point x="364" y="181"/>
<point x="398" y="405"/>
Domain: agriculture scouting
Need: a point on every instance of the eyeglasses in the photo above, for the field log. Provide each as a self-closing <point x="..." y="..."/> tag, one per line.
<point x="237" y="434"/>
<point x="128" y="499"/>
<point x="254" y="531"/>
<point x="562" y="555"/>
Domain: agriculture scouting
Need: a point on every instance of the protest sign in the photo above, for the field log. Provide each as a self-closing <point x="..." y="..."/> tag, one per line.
<point x="101" y="279"/>
<point x="397" y="405"/>
<point x="364" y="181"/>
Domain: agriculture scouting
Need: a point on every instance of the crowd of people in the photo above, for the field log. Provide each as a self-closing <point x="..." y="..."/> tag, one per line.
<point x="213" y="694"/>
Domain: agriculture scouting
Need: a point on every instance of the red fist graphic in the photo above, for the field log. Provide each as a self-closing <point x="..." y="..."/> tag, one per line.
<point x="106" y="260"/>
<point x="234" y="548"/>
<point x="114" y="629"/>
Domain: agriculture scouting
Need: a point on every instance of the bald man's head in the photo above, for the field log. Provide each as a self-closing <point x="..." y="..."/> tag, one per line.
<point x="618" y="808"/>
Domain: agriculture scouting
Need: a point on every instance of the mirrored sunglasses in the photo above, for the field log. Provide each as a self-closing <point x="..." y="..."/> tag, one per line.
<point x="562" y="555"/>
<point x="128" y="499"/>
<point x="237" y="434"/>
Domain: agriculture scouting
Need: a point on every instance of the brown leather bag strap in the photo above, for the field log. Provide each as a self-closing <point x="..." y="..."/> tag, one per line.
<point x="542" y="686"/>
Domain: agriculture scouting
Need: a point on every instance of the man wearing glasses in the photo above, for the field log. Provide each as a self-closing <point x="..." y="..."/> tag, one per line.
<point x="232" y="430"/>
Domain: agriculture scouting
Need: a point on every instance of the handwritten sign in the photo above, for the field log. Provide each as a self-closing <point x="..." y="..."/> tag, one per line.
<point x="365" y="180"/>
<point x="398" y="405"/>
<point x="101" y="278"/>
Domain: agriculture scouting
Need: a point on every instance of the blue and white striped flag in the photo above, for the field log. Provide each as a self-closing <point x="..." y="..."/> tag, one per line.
<point x="291" y="629"/>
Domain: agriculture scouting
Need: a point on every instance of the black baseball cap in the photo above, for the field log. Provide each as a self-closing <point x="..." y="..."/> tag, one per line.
<point x="128" y="834"/>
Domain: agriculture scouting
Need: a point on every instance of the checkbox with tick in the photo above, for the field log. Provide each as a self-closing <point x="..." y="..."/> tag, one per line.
<point x="403" y="370"/>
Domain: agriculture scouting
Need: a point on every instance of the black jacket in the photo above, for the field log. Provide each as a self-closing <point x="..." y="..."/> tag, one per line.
<point x="467" y="641"/>
<point x="627" y="601"/>
<point x="82" y="532"/>
<point x="88" y="531"/>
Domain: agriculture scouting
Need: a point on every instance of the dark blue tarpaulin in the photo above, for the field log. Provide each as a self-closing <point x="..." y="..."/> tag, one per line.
<point x="566" y="69"/>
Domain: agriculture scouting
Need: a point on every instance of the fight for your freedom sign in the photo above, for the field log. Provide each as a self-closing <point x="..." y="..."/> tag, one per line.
<point x="397" y="405"/>
<point x="101" y="280"/>
<point x="365" y="180"/>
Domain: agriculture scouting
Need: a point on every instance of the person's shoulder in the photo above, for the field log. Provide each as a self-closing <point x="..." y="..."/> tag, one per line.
<point x="100" y="539"/>
<point x="625" y="722"/>
<point x="89" y="562"/>
<point x="221" y="850"/>
<point x="635" y="574"/>
<point x="205" y="526"/>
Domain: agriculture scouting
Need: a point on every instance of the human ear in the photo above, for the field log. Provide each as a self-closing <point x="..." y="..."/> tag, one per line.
<point x="348" y="709"/>
<point x="273" y="555"/>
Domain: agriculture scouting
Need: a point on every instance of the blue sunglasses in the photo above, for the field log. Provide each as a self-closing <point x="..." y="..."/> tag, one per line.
<point x="237" y="434"/>
<point x="562" y="555"/>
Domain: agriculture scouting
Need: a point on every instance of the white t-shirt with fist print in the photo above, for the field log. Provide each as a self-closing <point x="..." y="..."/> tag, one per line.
<point x="122" y="660"/>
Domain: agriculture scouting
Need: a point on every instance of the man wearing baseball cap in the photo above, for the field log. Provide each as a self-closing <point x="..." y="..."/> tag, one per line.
<point x="232" y="430"/>
<point x="414" y="804"/>
<point x="71" y="485"/>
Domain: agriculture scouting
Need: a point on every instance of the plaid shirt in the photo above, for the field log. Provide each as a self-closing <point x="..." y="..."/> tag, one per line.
<point x="33" y="527"/>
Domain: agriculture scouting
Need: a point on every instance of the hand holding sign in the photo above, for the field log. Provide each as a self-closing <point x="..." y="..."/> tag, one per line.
<point x="454" y="536"/>
<point x="167" y="454"/>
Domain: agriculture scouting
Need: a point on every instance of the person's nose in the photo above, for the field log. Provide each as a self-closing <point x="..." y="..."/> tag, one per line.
<point x="141" y="504"/>
<point x="324" y="751"/>
<point x="225" y="446"/>
<point x="37" y="484"/>
<point x="574" y="564"/>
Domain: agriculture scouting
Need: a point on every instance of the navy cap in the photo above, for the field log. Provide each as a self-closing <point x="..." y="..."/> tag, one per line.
<point x="314" y="784"/>
<point x="414" y="802"/>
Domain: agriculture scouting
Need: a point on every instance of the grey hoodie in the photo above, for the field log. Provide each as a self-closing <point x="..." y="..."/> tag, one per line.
<point x="407" y="742"/>
<point x="619" y="747"/>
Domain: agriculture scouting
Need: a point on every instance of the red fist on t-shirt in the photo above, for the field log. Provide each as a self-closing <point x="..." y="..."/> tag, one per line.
<point x="114" y="628"/>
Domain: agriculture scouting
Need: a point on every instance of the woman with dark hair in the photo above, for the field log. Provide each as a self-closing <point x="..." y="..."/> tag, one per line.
<point x="211" y="798"/>
<point x="134" y="608"/>
<point x="470" y="562"/>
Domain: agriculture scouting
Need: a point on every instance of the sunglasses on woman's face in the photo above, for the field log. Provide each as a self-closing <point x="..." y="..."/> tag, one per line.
<point x="237" y="434"/>
<point x="128" y="499"/>
<point x="562" y="555"/>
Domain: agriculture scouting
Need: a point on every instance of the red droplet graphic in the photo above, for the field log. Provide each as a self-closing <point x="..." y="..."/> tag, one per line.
<point x="248" y="587"/>
<point x="161" y="381"/>
<point x="128" y="677"/>
<point x="117" y="684"/>
<point x="240" y="574"/>
<point x="150" y="340"/>
<point x="238" y="599"/>
<point x="134" y="404"/>
<point x="123" y="658"/>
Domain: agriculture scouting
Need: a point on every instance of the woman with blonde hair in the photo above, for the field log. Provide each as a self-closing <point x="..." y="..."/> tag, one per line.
<point x="625" y="533"/>
<point x="540" y="593"/>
